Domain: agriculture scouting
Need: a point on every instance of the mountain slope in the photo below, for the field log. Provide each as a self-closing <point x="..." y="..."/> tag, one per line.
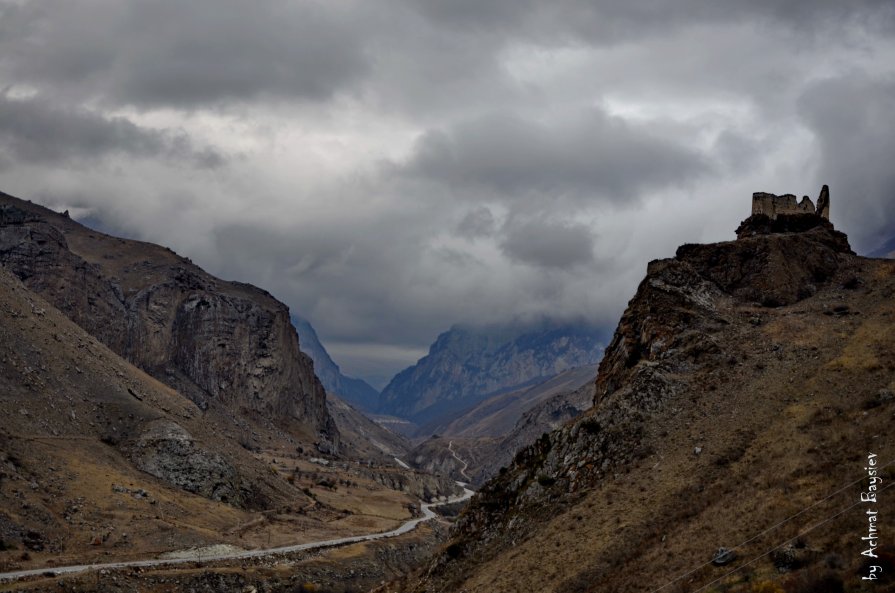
<point x="476" y="444"/>
<point x="497" y="415"/>
<point x="467" y="365"/>
<point x="100" y="462"/>
<point x="357" y="392"/>
<point x="545" y="416"/>
<point x="98" y="459"/>
<point x="746" y="381"/>
<point x="361" y="437"/>
<point x="887" y="249"/>
<point x="214" y="341"/>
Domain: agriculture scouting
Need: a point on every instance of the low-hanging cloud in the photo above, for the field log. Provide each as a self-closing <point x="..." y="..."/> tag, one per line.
<point x="549" y="244"/>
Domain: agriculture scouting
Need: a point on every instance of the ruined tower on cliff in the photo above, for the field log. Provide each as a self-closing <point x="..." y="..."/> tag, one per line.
<point x="772" y="205"/>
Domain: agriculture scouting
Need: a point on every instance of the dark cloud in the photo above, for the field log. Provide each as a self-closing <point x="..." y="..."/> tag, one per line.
<point x="606" y="22"/>
<point x="593" y="156"/>
<point x="854" y="120"/>
<point x="549" y="244"/>
<point x="405" y="165"/>
<point x="33" y="130"/>
<point x="183" y="54"/>
<point x="477" y="223"/>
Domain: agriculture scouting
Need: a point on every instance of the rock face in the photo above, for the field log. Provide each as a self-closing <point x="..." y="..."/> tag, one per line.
<point x="79" y="421"/>
<point x="167" y="451"/>
<point x="467" y="365"/>
<point x="545" y="417"/>
<point x="732" y="364"/>
<point x="226" y="343"/>
<point x="357" y="392"/>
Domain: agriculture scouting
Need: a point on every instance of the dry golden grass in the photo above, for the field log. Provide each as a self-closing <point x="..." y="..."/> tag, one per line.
<point x="795" y="409"/>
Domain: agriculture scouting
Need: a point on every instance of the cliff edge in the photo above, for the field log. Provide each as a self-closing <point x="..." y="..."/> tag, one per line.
<point x="734" y="393"/>
<point x="217" y="342"/>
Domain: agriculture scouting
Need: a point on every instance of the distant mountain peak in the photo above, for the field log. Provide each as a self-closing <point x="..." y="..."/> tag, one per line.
<point x="356" y="391"/>
<point x="468" y="363"/>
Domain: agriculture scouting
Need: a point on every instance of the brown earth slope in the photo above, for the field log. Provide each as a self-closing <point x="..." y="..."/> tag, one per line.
<point x="100" y="462"/>
<point x="223" y="344"/>
<point x="746" y="383"/>
<point x="487" y="436"/>
<point x="98" y="458"/>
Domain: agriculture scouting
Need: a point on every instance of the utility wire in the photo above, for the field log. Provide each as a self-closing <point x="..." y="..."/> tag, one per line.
<point x="772" y="550"/>
<point x="773" y="527"/>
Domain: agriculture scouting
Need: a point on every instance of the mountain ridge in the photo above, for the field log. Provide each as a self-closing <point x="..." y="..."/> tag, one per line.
<point x="355" y="391"/>
<point x="468" y="364"/>
<point x="212" y="340"/>
<point x="748" y="366"/>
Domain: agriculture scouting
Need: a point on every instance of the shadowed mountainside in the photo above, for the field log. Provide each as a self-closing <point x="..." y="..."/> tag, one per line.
<point x="486" y="437"/>
<point x="217" y="342"/>
<point x="363" y="438"/>
<point x="467" y="365"/>
<point x="746" y="381"/>
<point x="356" y="392"/>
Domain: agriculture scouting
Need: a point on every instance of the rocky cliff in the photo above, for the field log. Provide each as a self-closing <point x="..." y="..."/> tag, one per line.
<point x="469" y="364"/>
<point x="98" y="458"/>
<point x="745" y="381"/>
<point x="544" y="417"/>
<point x="218" y="342"/>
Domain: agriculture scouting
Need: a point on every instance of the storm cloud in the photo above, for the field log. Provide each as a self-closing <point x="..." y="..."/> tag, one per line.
<point x="389" y="169"/>
<point x="35" y="131"/>
<point x="175" y="54"/>
<point x="589" y="156"/>
<point x="854" y="120"/>
<point x="550" y="245"/>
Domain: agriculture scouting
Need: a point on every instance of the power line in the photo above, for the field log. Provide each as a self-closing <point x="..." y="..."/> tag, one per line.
<point x="773" y="527"/>
<point x="810" y="529"/>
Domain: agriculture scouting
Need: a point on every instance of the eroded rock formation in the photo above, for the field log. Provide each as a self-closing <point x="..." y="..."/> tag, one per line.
<point x="215" y="341"/>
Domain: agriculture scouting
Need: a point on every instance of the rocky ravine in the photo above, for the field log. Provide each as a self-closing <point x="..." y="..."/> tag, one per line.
<point x="217" y="342"/>
<point x="734" y="393"/>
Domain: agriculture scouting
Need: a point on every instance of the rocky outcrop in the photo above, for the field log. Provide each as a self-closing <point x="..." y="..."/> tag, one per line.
<point x="467" y="365"/>
<point x="543" y="418"/>
<point x="425" y="486"/>
<point x="226" y="343"/>
<point x="677" y="354"/>
<point x="169" y="452"/>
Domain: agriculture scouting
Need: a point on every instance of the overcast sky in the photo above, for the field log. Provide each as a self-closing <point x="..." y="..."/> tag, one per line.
<point x="390" y="167"/>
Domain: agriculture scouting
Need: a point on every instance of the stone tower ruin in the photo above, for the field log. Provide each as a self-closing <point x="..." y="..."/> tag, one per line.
<point x="772" y="205"/>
